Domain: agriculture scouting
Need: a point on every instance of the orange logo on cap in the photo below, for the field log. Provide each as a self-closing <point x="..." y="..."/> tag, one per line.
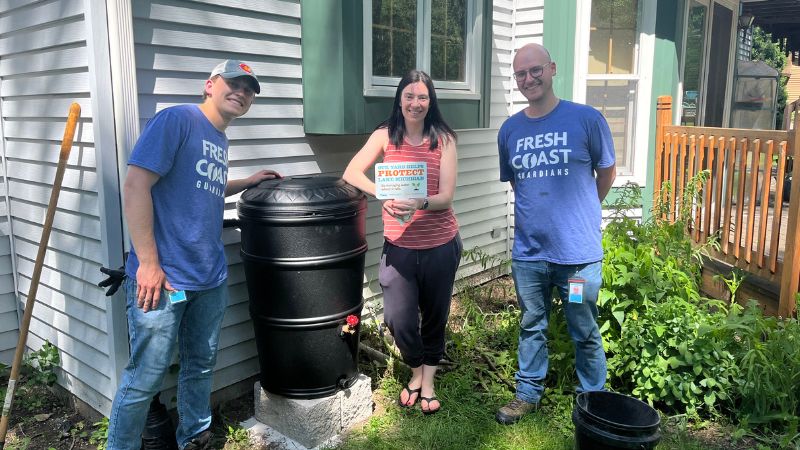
<point x="245" y="67"/>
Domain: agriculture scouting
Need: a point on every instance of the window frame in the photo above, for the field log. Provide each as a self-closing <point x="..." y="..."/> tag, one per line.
<point x="643" y="75"/>
<point x="704" y="72"/>
<point x="469" y="89"/>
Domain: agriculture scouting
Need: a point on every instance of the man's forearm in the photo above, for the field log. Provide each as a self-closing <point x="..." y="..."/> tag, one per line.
<point x="605" y="180"/>
<point x="236" y="186"/>
<point x="139" y="215"/>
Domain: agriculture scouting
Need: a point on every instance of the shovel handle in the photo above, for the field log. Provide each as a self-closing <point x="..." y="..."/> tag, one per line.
<point x="66" y="146"/>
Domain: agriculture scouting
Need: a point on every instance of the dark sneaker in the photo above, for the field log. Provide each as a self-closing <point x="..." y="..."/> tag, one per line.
<point x="199" y="442"/>
<point x="514" y="410"/>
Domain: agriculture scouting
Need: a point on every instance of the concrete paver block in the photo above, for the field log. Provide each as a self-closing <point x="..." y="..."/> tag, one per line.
<point x="313" y="422"/>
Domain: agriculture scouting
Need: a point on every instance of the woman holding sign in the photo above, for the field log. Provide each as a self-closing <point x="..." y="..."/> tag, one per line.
<point x="422" y="249"/>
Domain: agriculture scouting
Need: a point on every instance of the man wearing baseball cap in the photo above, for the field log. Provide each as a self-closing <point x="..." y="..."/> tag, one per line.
<point x="176" y="273"/>
<point x="232" y="68"/>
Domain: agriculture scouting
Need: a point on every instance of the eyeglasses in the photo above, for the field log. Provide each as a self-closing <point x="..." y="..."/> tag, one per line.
<point x="535" y="72"/>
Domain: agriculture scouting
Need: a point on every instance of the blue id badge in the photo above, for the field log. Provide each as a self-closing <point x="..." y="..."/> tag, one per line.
<point x="576" y="290"/>
<point x="176" y="296"/>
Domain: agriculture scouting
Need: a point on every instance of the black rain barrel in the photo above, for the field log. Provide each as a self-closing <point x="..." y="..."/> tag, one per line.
<point x="608" y="420"/>
<point x="303" y="247"/>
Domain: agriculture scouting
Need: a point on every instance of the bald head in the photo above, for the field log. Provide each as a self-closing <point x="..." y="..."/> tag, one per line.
<point x="534" y="72"/>
<point x="535" y="51"/>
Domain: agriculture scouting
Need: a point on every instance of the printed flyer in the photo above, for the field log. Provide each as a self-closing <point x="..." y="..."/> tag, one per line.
<point x="401" y="180"/>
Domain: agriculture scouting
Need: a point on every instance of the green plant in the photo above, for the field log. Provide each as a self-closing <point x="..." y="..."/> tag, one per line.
<point x="657" y="328"/>
<point x="37" y="372"/>
<point x="238" y="437"/>
<point x="19" y="444"/>
<point x="99" y="435"/>
<point x="768" y="349"/>
<point x="39" y="366"/>
<point x="647" y="262"/>
<point x="733" y="283"/>
<point x="669" y="355"/>
<point x="78" y="430"/>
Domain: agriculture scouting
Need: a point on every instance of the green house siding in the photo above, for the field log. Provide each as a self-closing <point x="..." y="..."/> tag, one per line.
<point x="666" y="74"/>
<point x="333" y="67"/>
<point x="559" y="39"/>
<point x="333" y="74"/>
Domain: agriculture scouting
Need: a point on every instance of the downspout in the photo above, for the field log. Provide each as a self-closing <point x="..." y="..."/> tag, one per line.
<point x="509" y="108"/>
<point x="12" y="248"/>
<point x="112" y="71"/>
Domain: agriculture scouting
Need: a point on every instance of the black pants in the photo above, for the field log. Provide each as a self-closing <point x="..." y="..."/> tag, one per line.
<point x="419" y="282"/>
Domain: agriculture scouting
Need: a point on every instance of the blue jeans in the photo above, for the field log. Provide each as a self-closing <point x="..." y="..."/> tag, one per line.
<point x="195" y="323"/>
<point x="534" y="282"/>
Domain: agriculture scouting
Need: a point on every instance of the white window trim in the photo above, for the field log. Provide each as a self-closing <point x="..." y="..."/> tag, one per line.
<point x="466" y="90"/>
<point x="641" y="127"/>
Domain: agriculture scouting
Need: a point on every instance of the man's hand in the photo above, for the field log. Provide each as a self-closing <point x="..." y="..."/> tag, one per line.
<point x="150" y="280"/>
<point x="114" y="280"/>
<point x="261" y="175"/>
<point x="240" y="184"/>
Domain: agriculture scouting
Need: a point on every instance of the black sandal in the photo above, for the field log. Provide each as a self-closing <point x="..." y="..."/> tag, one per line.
<point x="411" y="392"/>
<point x="430" y="411"/>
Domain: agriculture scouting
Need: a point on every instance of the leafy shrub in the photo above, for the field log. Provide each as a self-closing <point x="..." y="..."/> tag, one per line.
<point x="669" y="355"/>
<point x="39" y="366"/>
<point x="646" y="263"/>
<point x="672" y="347"/>
<point x="768" y="351"/>
<point x="655" y="324"/>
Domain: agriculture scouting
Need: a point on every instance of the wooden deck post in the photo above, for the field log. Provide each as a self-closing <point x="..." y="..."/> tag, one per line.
<point x="663" y="117"/>
<point x="790" y="278"/>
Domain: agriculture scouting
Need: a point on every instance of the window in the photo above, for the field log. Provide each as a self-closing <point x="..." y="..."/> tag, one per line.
<point x="355" y="52"/>
<point x="707" y="63"/>
<point x="693" y="61"/>
<point x="441" y="37"/>
<point x="614" y="65"/>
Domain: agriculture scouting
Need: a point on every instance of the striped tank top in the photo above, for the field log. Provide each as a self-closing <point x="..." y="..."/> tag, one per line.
<point x="426" y="229"/>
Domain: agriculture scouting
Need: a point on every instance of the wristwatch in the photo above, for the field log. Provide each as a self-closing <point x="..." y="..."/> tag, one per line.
<point x="425" y="203"/>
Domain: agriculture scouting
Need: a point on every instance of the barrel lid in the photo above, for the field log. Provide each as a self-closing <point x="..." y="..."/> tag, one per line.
<point x="300" y="195"/>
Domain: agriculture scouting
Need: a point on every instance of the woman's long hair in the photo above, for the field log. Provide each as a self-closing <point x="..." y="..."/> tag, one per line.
<point x="434" y="128"/>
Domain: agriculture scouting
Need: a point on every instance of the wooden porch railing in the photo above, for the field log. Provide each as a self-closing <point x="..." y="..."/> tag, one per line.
<point x="742" y="202"/>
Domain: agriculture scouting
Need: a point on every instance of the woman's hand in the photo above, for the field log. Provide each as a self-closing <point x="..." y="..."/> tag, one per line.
<point x="402" y="208"/>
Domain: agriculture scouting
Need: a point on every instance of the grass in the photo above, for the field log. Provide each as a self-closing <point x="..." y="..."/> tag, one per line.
<point x="471" y="391"/>
<point x="466" y="421"/>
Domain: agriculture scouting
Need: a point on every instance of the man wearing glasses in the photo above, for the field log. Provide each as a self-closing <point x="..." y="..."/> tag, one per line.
<point x="174" y="198"/>
<point x="559" y="158"/>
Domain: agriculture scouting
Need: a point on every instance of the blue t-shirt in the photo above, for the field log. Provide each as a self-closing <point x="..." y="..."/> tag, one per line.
<point x="551" y="160"/>
<point x="191" y="158"/>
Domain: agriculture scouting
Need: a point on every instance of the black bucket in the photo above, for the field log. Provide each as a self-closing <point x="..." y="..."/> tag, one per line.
<point x="159" y="433"/>
<point x="607" y="420"/>
<point x="303" y="247"/>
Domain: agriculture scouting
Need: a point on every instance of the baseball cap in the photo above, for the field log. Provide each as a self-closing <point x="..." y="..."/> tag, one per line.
<point x="232" y="68"/>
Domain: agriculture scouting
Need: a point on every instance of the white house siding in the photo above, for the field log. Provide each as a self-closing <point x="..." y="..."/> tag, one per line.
<point x="44" y="66"/>
<point x="9" y="316"/>
<point x="528" y="28"/>
<point x="177" y="43"/>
